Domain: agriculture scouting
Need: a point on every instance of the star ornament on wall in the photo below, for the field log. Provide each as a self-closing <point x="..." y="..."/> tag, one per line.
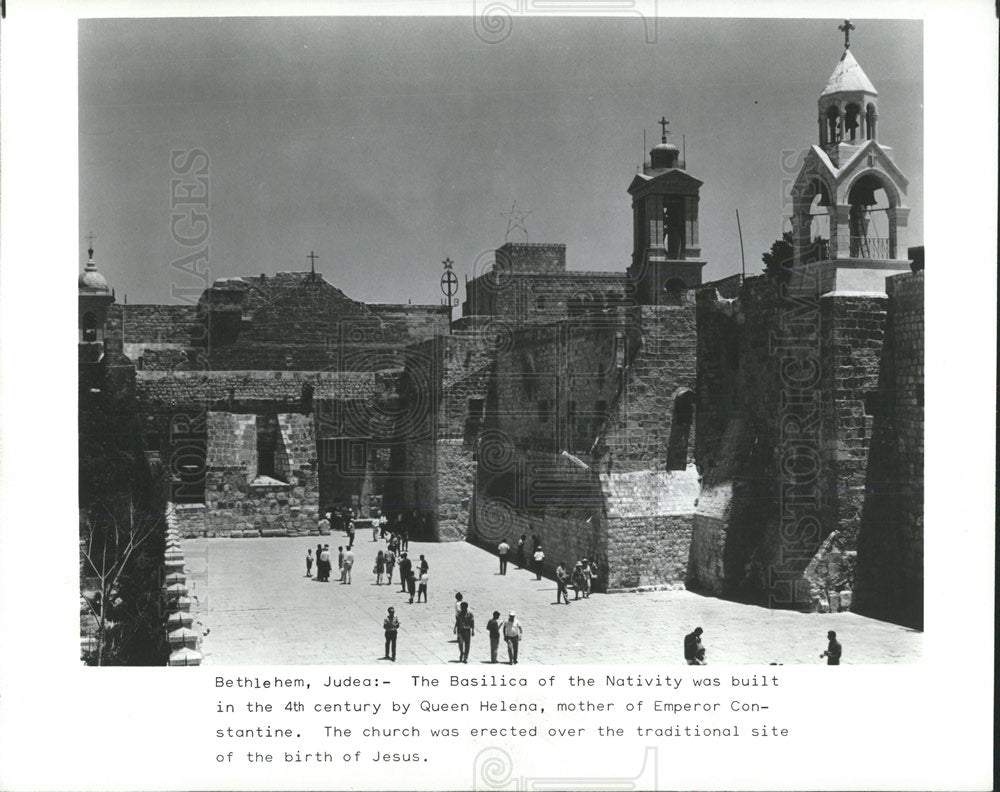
<point x="515" y="220"/>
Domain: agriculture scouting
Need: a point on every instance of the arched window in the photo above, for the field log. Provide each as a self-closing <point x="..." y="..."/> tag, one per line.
<point x="89" y="327"/>
<point x="852" y="122"/>
<point x="870" y="118"/>
<point x="673" y="290"/>
<point x="833" y="124"/>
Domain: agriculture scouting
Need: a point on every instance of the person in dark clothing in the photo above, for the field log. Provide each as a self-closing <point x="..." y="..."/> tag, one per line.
<point x="405" y="568"/>
<point x="493" y="627"/>
<point x="465" y="628"/>
<point x="833" y="649"/>
<point x="692" y="643"/>
<point x="424" y="566"/>
<point x="411" y="583"/>
<point x="562" y="578"/>
<point x="391" y="627"/>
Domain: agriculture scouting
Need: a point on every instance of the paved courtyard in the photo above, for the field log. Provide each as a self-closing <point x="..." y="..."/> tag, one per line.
<point x="259" y="608"/>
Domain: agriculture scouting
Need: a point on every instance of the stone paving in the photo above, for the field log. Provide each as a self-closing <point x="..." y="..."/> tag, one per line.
<point x="259" y="608"/>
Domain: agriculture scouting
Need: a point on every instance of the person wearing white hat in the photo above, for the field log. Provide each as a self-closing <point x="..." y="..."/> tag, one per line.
<point x="512" y="635"/>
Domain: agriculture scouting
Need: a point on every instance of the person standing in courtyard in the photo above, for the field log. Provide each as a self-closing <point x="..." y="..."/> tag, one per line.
<point x="390" y="563"/>
<point x="424" y="566"/>
<point x="405" y="566"/>
<point x="324" y="526"/>
<point x="411" y="583"/>
<point x="404" y="538"/>
<point x="493" y="628"/>
<point x="422" y="586"/>
<point x="587" y="578"/>
<point x="309" y="563"/>
<point x="319" y="564"/>
<point x="350" y="534"/>
<point x="512" y="635"/>
<point x="340" y="562"/>
<point x="520" y="553"/>
<point x="379" y="567"/>
<point x="348" y="565"/>
<point x="577" y="580"/>
<point x="324" y="564"/>
<point x="502" y="550"/>
<point x="391" y="626"/>
<point x="833" y="649"/>
<point x="692" y="644"/>
<point x="562" y="577"/>
<point x="538" y="558"/>
<point x="465" y="628"/>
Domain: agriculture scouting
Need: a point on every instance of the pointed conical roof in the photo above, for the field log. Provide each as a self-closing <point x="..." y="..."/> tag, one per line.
<point x="848" y="77"/>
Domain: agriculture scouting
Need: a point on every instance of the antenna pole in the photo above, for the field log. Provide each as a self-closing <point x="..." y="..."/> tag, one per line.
<point x="684" y="149"/>
<point x="743" y="261"/>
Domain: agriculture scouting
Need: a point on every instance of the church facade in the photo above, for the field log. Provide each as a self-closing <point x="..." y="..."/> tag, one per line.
<point x="755" y="438"/>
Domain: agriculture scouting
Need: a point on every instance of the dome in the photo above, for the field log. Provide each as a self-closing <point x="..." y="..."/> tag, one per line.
<point x="91" y="279"/>
<point x="663" y="155"/>
<point x="848" y="77"/>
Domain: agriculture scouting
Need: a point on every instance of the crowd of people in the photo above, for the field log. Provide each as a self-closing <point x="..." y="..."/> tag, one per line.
<point x="582" y="578"/>
<point x="413" y="580"/>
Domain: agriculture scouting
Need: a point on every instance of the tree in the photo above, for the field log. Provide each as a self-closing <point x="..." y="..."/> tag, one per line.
<point x="778" y="260"/>
<point x="112" y="549"/>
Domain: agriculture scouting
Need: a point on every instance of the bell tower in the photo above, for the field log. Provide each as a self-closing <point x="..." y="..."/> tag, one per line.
<point x="849" y="179"/>
<point x="94" y="298"/>
<point x="666" y="255"/>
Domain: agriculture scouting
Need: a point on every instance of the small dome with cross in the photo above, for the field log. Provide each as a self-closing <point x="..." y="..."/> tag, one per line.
<point x="92" y="281"/>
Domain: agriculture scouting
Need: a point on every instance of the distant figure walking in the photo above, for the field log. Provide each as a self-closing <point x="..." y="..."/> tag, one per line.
<point x="405" y="566"/>
<point x="424" y="566"/>
<point x="391" y="627"/>
<point x="340" y="562"/>
<point x="390" y="563"/>
<point x="319" y="564"/>
<point x="404" y="539"/>
<point x="350" y="534"/>
<point x="493" y="627"/>
<point x="538" y="558"/>
<point x="588" y="576"/>
<point x="458" y="606"/>
<point x="577" y="579"/>
<point x="562" y="578"/>
<point x="411" y="583"/>
<point x="309" y="563"/>
<point x="833" y="649"/>
<point x="512" y="635"/>
<point x="422" y="586"/>
<point x="520" y="553"/>
<point x="502" y="550"/>
<point x="379" y="567"/>
<point x="465" y="628"/>
<point x="348" y="565"/>
<point x="692" y="645"/>
<point x="323" y="572"/>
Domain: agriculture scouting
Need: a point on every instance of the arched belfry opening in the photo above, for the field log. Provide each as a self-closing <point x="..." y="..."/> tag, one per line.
<point x="870" y="234"/>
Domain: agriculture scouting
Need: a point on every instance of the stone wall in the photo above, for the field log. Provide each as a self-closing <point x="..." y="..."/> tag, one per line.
<point x="889" y="581"/>
<point x="649" y="522"/>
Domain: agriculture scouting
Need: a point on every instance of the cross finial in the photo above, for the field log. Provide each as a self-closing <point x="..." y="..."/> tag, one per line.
<point x="846" y="28"/>
<point x="312" y="262"/>
<point x="663" y="125"/>
<point x="90" y="238"/>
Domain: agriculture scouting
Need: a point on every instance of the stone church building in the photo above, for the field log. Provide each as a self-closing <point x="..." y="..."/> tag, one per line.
<point x="757" y="438"/>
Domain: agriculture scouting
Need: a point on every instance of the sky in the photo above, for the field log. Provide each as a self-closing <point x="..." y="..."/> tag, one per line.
<point x="385" y="145"/>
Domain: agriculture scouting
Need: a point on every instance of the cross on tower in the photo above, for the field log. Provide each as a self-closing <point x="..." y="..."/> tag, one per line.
<point x="663" y="125"/>
<point x="846" y="28"/>
<point x="312" y="262"/>
<point x="90" y="238"/>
